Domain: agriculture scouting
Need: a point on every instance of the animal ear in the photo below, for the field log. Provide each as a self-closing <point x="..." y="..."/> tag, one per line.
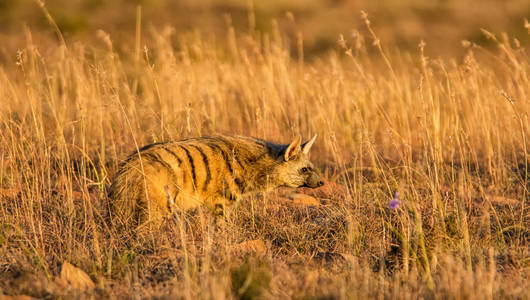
<point x="293" y="149"/>
<point x="307" y="145"/>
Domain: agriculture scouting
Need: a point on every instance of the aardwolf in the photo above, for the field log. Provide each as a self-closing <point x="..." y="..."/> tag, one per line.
<point x="212" y="171"/>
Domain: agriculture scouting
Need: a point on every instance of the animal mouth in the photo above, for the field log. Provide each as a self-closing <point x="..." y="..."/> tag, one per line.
<point x="313" y="186"/>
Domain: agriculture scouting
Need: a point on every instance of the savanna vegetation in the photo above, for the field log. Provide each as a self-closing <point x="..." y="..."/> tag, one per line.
<point x="421" y="112"/>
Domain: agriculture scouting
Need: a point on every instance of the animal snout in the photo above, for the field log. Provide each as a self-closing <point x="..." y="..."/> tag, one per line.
<point x="314" y="181"/>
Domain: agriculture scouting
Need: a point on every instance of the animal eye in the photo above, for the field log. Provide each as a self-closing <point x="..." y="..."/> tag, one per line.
<point x="304" y="169"/>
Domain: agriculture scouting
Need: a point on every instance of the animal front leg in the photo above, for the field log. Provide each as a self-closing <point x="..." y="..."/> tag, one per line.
<point x="220" y="206"/>
<point x="220" y="213"/>
<point x="225" y="197"/>
<point x="219" y="210"/>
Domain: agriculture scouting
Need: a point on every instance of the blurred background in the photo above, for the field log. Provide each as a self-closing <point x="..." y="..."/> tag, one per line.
<point x="442" y="24"/>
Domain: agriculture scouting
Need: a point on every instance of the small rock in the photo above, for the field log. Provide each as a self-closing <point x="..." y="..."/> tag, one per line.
<point x="17" y="297"/>
<point x="500" y="200"/>
<point x="304" y="199"/>
<point x="255" y="246"/>
<point x="330" y="190"/>
<point x="9" y="193"/>
<point x="75" y="278"/>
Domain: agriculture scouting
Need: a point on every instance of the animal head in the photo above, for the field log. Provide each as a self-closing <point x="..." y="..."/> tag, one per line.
<point x="294" y="168"/>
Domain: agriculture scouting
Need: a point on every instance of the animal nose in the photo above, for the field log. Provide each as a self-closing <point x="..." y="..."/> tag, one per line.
<point x="320" y="183"/>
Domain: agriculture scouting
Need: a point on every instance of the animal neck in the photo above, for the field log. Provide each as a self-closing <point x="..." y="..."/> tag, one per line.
<point x="259" y="175"/>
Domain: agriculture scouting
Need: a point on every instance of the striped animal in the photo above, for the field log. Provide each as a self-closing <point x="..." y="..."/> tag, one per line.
<point x="212" y="171"/>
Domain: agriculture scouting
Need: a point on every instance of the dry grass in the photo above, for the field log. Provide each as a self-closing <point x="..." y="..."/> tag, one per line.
<point x="450" y="136"/>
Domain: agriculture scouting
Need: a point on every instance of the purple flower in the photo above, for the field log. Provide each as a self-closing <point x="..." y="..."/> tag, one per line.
<point x="394" y="202"/>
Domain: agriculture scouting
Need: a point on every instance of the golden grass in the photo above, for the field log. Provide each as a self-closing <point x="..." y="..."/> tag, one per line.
<point x="449" y="135"/>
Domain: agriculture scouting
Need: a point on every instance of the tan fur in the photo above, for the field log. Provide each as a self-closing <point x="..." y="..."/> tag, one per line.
<point x="211" y="171"/>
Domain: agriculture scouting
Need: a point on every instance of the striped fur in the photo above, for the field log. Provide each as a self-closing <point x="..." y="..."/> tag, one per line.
<point x="212" y="171"/>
